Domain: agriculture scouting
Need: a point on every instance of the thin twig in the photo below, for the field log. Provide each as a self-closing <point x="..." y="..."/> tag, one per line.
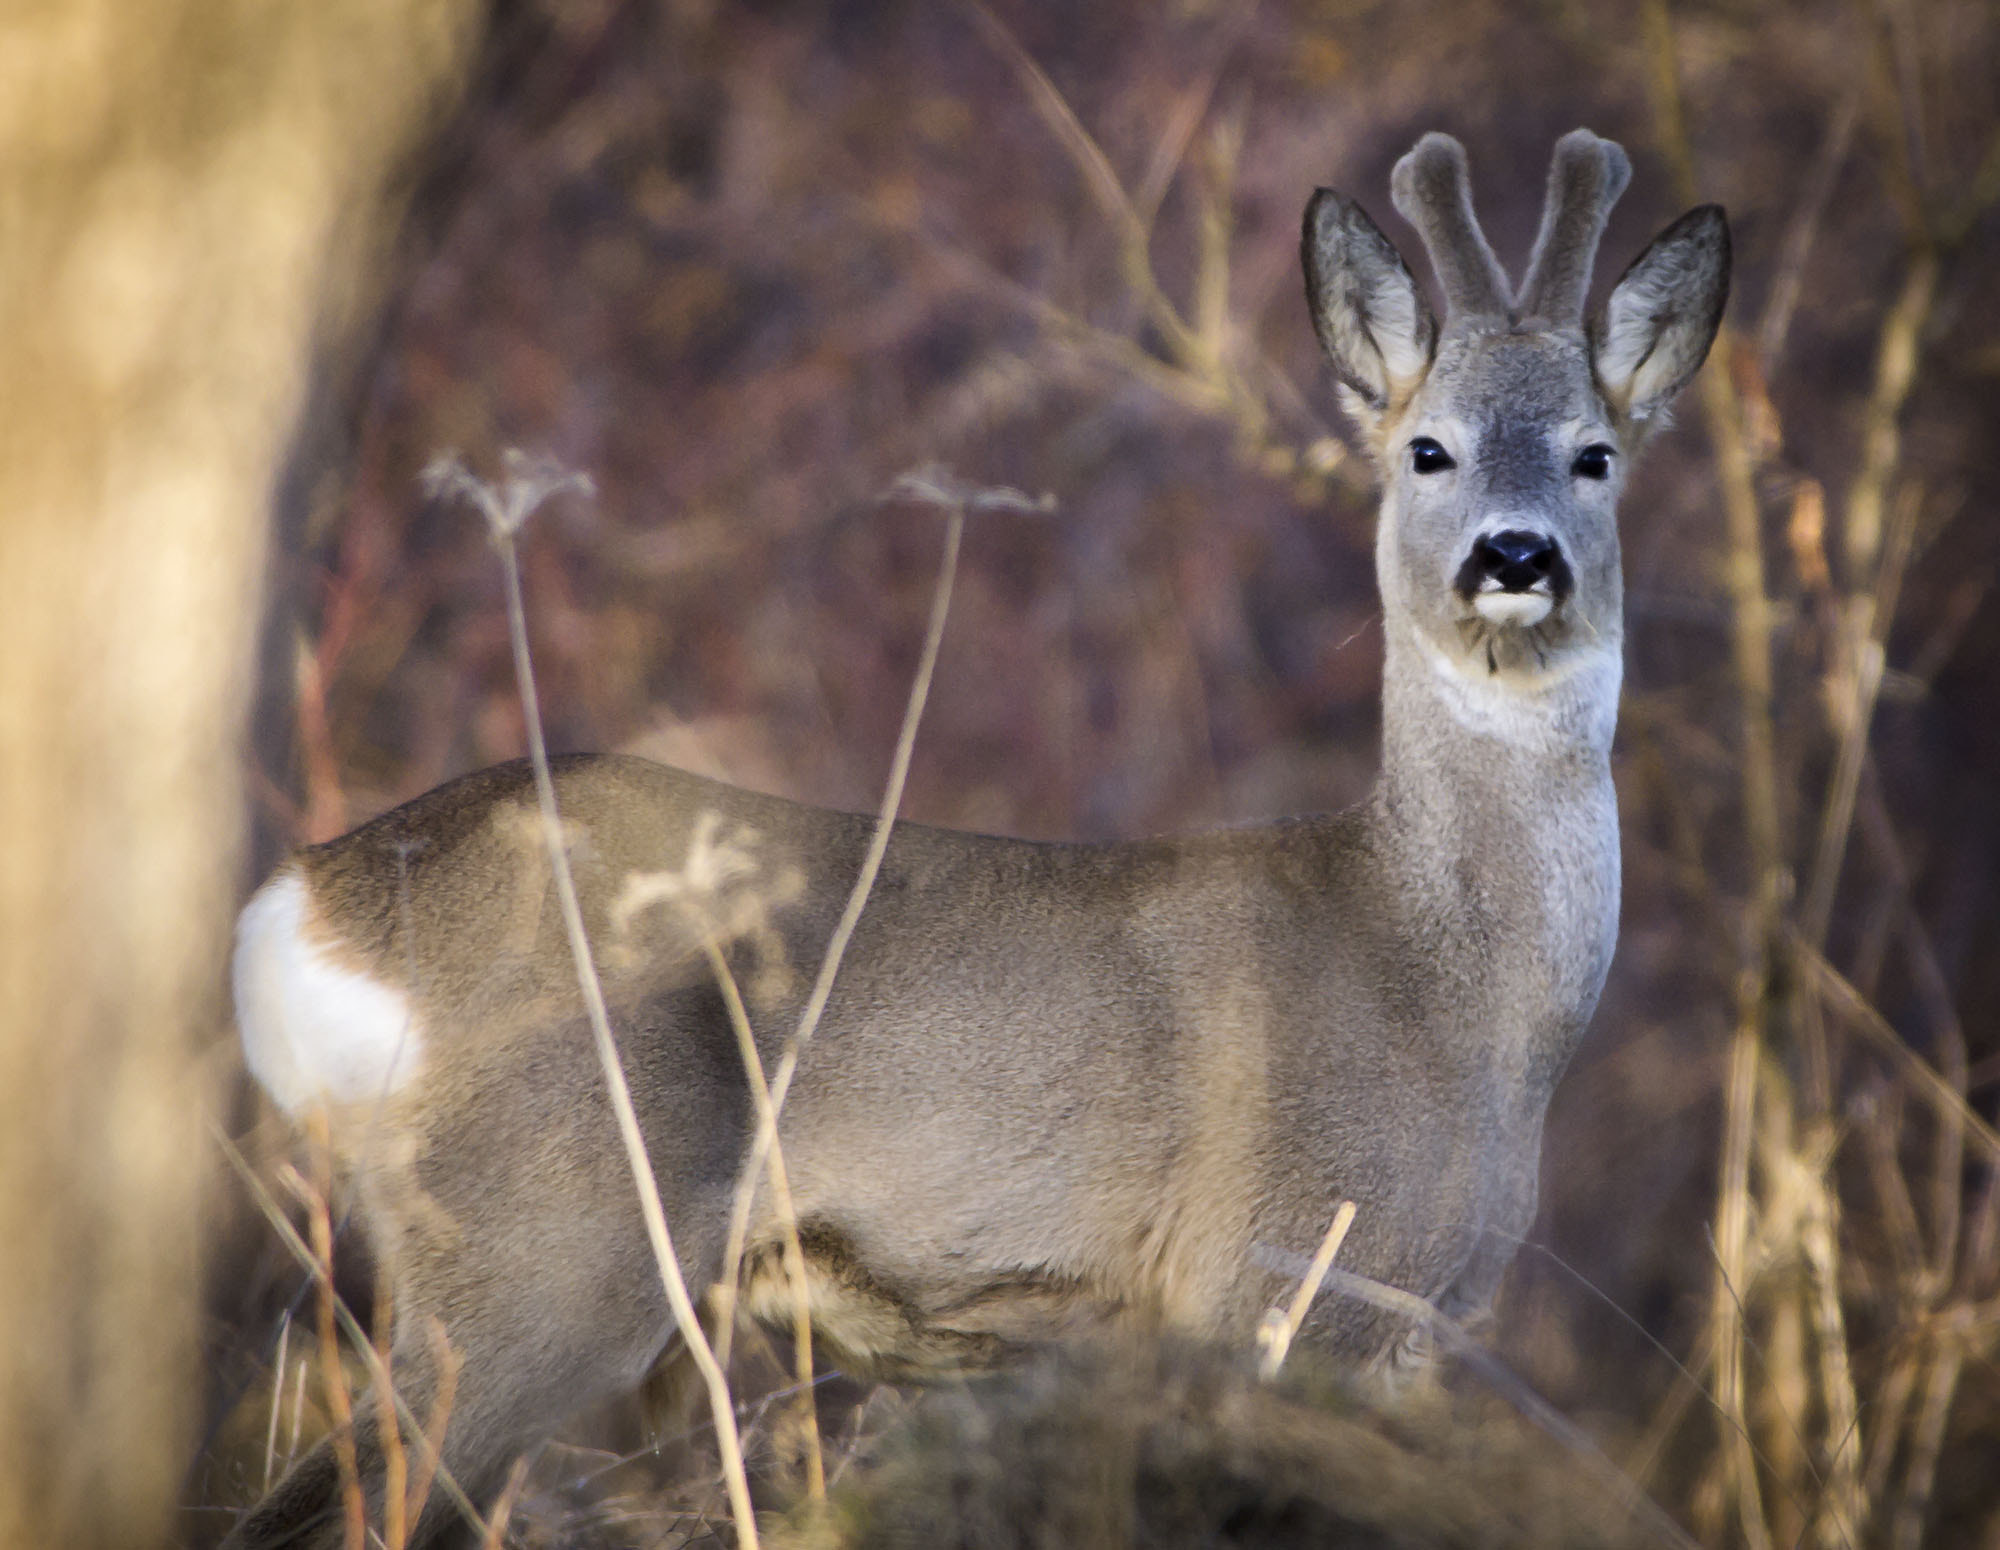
<point x="1842" y="1506"/>
<point x="1644" y="1455"/>
<point x="1104" y="185"/>
<point x="1197" y="350"/>
<point x="1732" y="1232"/>
<point x="1791" y="1174"/>
<point x="1803" y="228"/>
<point x="955" y="502"/>
<point x="1744" y="573"/>
<point x="298" y="1413"/>
<point x="1215" y="189"/>
<point x="1873" y="573"/>
<point x="1189" y="110"/>
<point x="1782" y="1401"/>
<point x="1174" y="382"/>
<point x="1690" y="1387"/>
<point x="1948" y="1159"/>
<point x="1452" y="1335"/>
<point x="1880" y="1113"/>
<point x="1905" y="68"/>
<point x="395" y="1464"/>
<point x="1685" y="1371"/>
<point x="788" y="1226"/>
<point x="1890" y="1411"/>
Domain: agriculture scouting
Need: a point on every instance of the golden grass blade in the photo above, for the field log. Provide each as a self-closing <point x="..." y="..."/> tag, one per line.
<point x="1869" y="609"/>
<point x="1733" y="1281"/>
<point x="277" y="1396"/>
<point x="1281" y="1326"/>
<point x="1842" y="1506"/>
<point x="503" y="1509"/>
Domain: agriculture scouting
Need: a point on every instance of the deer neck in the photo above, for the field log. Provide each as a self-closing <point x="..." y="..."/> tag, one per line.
<point x="1497" y="818"/>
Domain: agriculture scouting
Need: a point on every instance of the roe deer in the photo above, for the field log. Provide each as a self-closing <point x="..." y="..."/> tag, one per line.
<point x="1055" y="1083"/>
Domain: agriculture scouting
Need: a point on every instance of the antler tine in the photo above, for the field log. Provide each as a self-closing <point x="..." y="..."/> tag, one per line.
<point x="1433" y="192"/>
<point x="1586" y="176"/>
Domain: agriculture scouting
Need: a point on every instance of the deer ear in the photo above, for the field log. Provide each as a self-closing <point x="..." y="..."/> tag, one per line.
<point x="1655" y="329"/>
<point x="1371" y="319"/>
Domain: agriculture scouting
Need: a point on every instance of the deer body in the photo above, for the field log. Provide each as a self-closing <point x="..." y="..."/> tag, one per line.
<point x="1055" y="1084"/>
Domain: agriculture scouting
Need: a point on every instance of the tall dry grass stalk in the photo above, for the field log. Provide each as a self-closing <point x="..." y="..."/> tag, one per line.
<point x="1750" y="614"/>
<point x="1779" y="1342"/>
<point x="506" y="507"/>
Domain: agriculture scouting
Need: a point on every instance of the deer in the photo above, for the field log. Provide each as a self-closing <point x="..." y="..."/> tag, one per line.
<point x="1058" y="1087"/>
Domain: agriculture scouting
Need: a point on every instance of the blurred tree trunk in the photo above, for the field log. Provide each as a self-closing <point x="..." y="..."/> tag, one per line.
<point x="190" y="194"/>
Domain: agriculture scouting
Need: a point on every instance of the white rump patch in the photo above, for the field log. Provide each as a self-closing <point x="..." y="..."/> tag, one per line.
<point x="1517" y="608"/>
<point x="313" y="1031"/>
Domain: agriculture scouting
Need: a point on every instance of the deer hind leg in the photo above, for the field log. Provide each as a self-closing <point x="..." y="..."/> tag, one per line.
<point x="532" y="1258"/>
<point x="306" y="1510"/>
<point x="531" y="1342"/>
<point x="529" y="1345"/>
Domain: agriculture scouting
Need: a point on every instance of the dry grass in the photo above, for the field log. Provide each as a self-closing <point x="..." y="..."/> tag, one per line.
<point x="1181" y="1446"/>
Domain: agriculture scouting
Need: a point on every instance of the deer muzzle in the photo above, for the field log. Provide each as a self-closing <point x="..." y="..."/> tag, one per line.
<point x="1515" y="577"/>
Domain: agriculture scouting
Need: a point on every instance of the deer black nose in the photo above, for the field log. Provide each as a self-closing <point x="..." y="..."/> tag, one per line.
<point x="1516" y="560"/>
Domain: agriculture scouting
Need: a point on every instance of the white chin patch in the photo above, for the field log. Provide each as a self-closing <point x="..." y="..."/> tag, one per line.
<point x="314" y="1031"/>
<point x="1520" y="609"/>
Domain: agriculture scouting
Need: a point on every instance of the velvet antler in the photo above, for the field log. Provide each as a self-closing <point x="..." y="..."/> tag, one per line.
<point x="1433" y="192"/>
<point x="1586" y="176"/>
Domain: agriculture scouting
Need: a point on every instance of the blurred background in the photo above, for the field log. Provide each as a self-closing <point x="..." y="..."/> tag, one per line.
<point x="744" y="265"/>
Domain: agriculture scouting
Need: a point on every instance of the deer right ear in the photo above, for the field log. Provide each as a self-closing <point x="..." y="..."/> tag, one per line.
<point x="1656" y="327"/>
<point x="1371" y="319"/>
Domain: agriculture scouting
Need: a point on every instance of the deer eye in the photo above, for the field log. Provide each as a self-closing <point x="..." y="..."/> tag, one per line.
<point x="1593" y="462"/>
<point x="1427" y="457"/>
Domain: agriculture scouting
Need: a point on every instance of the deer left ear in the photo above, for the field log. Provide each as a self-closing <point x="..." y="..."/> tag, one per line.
<point x="1372" y="321"/>
<point x="1655" y="329"/>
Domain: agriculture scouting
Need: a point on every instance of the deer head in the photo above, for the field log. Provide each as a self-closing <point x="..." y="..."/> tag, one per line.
<point x="1503" y="434"/>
